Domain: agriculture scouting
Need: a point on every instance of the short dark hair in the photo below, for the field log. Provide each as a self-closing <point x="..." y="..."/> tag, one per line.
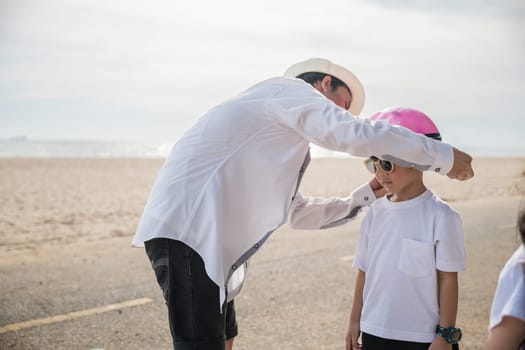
<point x="313" y="77"/>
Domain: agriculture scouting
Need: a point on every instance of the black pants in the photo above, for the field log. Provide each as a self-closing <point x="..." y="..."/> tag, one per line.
<point x="195" y="317"/>
<point x="371" y="342"/>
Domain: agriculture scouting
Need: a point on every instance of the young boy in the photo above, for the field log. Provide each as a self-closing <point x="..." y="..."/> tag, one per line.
<point x="409" y="251"/>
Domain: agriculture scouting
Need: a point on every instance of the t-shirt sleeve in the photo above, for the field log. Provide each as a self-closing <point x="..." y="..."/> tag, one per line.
<point x="361" y="250"/>
<point x="509" y="298"/>
<point x="450" y="248"/>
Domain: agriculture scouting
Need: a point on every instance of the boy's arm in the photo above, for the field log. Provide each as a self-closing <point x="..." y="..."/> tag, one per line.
<point x="354" y="329"/>
<point x="448" y="306"/>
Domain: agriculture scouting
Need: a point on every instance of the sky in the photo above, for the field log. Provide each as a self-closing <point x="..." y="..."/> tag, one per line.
<point x="145" y="71"/>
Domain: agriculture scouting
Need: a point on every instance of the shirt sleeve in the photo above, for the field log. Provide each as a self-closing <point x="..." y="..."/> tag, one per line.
<point x="320" y="213"/>
<point x="448" y="239"/>
<point x="320" y="121"/>
<point x="361" y="250"/>
<point x="509" y="298"/>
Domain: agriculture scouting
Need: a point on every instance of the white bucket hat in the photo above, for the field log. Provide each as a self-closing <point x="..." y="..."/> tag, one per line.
<point x="322" y="65"/>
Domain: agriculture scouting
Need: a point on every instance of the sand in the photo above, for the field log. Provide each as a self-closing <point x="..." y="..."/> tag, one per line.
<point x="62" y="201"/>
<point x="299" y="288"/>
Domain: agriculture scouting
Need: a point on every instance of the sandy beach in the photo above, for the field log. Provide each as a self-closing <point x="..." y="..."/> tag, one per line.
<point x="66" y="227"/>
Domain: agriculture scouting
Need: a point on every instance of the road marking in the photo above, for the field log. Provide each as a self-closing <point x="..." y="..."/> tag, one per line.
<point x="347" y="258"/>
<point x="72" y="315"/>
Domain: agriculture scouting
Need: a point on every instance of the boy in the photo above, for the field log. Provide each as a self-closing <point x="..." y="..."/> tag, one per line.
<point x="409" y="251"/>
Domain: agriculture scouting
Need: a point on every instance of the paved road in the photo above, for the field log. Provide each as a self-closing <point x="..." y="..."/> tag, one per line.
<point x="297" y="294"/>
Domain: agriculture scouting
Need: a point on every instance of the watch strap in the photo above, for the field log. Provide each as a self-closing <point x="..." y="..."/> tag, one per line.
<point x="448" y="333"/>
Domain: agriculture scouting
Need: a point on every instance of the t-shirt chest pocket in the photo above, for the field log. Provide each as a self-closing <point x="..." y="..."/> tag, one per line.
<point x="416" y="258"/>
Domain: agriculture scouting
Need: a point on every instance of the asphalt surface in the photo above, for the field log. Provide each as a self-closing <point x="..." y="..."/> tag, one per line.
<point x="297" y="294"/>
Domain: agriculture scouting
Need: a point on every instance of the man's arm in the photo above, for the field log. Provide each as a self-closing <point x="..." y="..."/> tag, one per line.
<point x="320" y="121"/>
<point x="448" y="306"/>
<point x="311" y="213"/>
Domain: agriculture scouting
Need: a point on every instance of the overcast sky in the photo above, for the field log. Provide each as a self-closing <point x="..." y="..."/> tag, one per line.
<point x="144" y="71"/>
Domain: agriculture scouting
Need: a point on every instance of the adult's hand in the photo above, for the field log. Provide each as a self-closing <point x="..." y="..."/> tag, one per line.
<point x="378" y="189"/>
<point x="462" y="168"/>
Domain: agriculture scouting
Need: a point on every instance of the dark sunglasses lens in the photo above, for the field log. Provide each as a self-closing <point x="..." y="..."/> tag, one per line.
<point x="386" y="165"/>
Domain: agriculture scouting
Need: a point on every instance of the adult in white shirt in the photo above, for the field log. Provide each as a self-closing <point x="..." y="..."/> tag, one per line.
<point x="507" y="316"/>
<point x="232" y="180"/>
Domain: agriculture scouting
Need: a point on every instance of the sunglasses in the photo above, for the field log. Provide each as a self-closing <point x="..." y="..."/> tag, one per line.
<point x="374" y="164"/>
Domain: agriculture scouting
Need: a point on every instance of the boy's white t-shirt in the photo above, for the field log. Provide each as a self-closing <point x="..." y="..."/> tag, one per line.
<point x="509" y="299"/>
<point x="400" y="248"/>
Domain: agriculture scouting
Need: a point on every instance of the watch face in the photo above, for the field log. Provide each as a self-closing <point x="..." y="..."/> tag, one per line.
<point x="455" y="335"/>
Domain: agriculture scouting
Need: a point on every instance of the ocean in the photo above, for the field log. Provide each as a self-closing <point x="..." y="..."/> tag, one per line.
<point x="30" y="148"/>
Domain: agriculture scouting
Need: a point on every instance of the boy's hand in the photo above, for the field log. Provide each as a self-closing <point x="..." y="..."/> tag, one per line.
<point x="440" y="343"/>
<point x="352" y="336"/>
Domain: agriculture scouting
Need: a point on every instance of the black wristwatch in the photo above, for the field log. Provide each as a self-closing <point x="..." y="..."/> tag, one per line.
<point x="451" y="334"/>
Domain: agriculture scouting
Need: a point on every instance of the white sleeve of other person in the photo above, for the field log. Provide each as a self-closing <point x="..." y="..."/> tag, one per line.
<point x="509" y="298"/>
<point x="231" y="180"/>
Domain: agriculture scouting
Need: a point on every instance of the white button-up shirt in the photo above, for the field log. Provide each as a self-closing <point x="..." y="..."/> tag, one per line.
<point x="232" y="179"/>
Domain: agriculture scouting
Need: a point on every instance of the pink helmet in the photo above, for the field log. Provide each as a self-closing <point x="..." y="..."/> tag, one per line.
<point x="409" y="118"/>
